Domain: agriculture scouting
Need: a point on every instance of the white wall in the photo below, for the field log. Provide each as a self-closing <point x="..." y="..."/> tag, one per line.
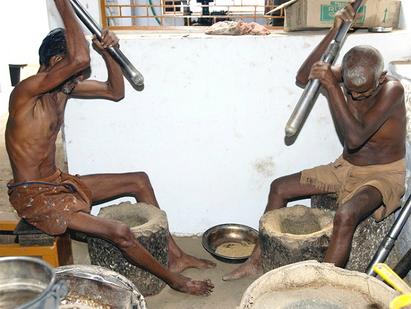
<point x="23" y="25"/>
<point x="92" y="7"/>
<point x="209" y="126"/>
<point x="405" y="14"/>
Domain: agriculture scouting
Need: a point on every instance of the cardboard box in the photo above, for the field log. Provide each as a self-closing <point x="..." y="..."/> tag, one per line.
<point x="314" y="14"/>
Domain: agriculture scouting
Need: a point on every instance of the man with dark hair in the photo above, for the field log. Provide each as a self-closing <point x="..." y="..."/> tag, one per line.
<point x="369" y="111"/>
<point x="53" y="44"/>
<point x="54" y="201"/>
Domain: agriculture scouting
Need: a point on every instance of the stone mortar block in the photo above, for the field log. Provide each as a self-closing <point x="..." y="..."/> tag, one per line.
<point x="279" y="248"/>
<point x="274" y="254"/>
<point x="367" y="237"/>
<point x="152" y="235"/>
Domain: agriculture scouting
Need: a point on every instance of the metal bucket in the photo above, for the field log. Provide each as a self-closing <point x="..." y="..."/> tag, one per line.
<point x="92" y="286"/>
<point x="28" y="283"/>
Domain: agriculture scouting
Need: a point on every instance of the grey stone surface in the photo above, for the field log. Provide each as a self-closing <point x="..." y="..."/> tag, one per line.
<point x="35" y="239"/>
<point x="367" y="237"/>
<point x="294" y="234"/>
<point x="149" y="225"/>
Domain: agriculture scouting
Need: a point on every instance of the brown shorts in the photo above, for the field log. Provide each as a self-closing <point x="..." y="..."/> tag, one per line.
<point x="346" y="179"/>
<point x="49" y="203"/>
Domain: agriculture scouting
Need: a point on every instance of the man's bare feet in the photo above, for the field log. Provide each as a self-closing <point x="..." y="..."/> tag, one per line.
<point x="194" y="287"/>
<point x="178" y="264"/>
<point x="249" y="268"/>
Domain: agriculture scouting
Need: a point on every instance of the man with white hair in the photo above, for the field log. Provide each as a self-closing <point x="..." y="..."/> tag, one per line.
<point x="369" y="113"/>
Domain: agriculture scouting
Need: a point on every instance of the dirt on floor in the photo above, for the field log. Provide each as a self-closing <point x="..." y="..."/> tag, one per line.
<point x="226" y="295"/>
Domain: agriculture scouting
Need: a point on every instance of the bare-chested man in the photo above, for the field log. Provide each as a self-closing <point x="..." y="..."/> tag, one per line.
<point x="369" y="111"/>
<point x="54" y="201"/>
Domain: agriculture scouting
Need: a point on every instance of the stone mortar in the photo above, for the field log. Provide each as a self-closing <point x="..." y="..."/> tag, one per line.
<point x="294" y="234"/>
<point x="149" y="226"/>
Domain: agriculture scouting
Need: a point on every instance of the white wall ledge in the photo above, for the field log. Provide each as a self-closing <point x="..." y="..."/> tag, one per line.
<point x="199" y="33"/>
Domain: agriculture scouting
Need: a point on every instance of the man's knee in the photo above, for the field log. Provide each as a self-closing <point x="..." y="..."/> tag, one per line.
<point x="141" y="180"/>
<point x="277" y="187"/>
<point x="122" y="236"/>
<point x="345" y="218"/>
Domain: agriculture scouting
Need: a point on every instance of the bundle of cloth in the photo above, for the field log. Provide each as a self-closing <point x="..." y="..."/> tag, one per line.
<point x="237" y="28"/>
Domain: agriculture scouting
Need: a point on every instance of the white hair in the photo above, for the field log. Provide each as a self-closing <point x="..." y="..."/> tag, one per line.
<point x="358" y="61"/>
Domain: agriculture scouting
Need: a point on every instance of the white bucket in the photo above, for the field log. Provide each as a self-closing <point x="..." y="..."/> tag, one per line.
<point x="310" y="285"/>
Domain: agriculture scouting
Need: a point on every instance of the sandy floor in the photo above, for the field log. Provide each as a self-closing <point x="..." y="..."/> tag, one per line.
<point x="226" y="295"/>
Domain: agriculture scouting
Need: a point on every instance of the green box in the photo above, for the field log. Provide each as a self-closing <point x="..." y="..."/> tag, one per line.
<point x="328" y="11"/>
<point x="316" y="14"/>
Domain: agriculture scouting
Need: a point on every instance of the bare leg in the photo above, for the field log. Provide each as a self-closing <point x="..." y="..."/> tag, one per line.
<point x="120" y="234"/>
<point x="110" y="186"/>
<point x="346" y="220"/>
<point x="282" y="190"/>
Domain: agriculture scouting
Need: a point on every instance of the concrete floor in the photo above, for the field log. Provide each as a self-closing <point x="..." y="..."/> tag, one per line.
<point x="226" y="295"/>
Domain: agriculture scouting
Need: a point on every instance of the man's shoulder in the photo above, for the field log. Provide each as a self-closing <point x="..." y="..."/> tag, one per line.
<point x="393" y="88"/>
<point x="31" y="81"/>
<point x="393" y="82"/>
<point x="22" y="94"/>
<point x="22" y="89"/>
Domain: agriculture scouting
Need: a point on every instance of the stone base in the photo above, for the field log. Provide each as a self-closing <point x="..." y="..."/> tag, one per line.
<point x="367" y="238"/>
<point x="294" y="234"/>
<point x="149" y="226"/>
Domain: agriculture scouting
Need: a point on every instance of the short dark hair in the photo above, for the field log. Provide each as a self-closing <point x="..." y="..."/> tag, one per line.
<point x="53" y="44"/>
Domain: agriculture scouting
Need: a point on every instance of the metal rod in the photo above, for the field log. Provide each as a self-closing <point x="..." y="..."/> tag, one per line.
<point x="388" y="243"/>
<point x="135" y="78"/>
<point x="308" y="98"/>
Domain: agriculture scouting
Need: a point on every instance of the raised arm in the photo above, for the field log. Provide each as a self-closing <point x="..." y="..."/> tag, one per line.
<point x="357" y="132"/>
<point x="389" y="95"/>
<point x="75" y="60"/>
<point x="346" y="14"/>
<point x="113" y="88"/>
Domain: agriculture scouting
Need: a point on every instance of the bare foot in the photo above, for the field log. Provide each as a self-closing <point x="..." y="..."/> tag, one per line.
<point x="178" y="264"/>
<point x="249" y="268"/>
<point x="194" y="287"/>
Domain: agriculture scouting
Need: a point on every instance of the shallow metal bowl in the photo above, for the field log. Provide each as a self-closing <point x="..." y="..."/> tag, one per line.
<point x="229" y="232"/>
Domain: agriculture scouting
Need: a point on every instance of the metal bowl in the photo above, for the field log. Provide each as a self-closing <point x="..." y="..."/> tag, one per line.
<point x="227" y="233"/>
<point x="380" y="29"/>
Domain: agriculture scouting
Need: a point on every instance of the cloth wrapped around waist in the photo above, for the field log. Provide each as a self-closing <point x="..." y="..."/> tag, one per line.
<point x="346" y="179"/>
<point x="49" y="203"/>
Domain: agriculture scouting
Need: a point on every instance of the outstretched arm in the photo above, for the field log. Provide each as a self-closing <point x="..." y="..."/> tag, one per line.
<point x="346" y="14"/>
<point x="113" y="88"/>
